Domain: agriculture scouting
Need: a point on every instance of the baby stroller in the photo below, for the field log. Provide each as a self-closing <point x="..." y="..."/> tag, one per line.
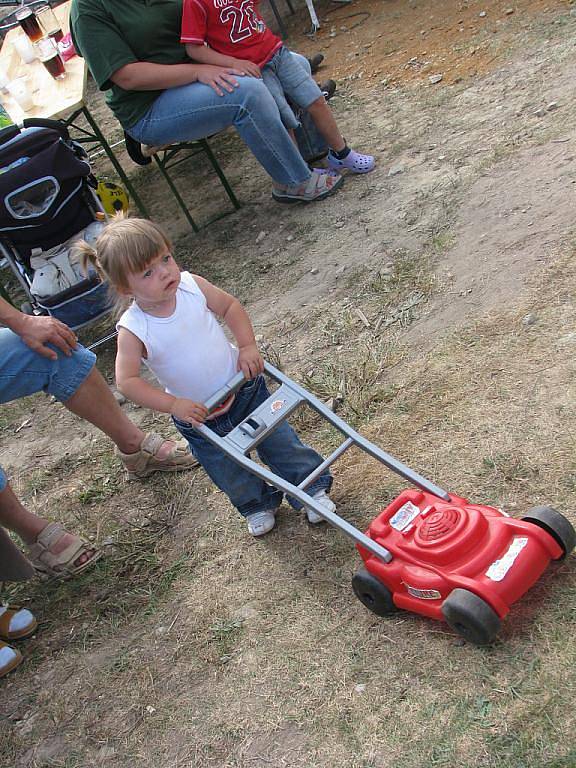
<point x="47" y="202"/>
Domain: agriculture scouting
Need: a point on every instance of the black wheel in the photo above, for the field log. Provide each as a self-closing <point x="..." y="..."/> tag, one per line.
<point x="372" y="593"/>
<point x="556" y="525"/>
<point x="471" y="617"/>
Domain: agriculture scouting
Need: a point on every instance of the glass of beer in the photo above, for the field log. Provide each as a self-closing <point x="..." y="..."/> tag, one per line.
<point x="49" y="22"/>
<point x="47" y="52"/>
<point x="26" y="17"/>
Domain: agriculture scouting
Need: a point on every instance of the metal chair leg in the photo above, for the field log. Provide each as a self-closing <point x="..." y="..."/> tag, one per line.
<point x="176" y="194"/>
<point x="220" y="172"/>
<point x="278" y="18"/>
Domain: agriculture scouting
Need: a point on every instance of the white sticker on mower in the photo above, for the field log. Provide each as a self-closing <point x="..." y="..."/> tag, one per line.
<point x="423" y="594"/>
<point x="404" y="516"/>
<point x="500" y="568"/>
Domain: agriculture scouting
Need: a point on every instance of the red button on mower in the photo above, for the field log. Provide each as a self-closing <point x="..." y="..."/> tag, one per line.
<point x="428" y="552"/>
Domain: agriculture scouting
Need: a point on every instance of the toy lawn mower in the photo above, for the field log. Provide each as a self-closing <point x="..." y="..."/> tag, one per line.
<point x="429" y="552"/>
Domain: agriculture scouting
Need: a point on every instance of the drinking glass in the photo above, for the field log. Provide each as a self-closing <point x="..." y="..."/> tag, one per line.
<point x="47" y="52"/>
<point x="19" y="91"/>
<point x="27" y="19"/>
<point x="24" y="48"/>
<point x="49" y="22"/>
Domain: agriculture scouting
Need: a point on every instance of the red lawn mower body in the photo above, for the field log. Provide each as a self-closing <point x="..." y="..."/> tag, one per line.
<point x="438" y="546"/>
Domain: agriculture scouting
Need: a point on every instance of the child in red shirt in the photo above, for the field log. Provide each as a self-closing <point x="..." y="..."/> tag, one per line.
<point x="230" y="33"/>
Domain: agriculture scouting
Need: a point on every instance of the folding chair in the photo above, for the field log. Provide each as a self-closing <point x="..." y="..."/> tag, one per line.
<point x="169" y="156"/>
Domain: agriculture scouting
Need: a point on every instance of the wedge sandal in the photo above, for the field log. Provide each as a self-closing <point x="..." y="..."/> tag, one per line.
<point x="146" y="461"/>
<point x="63" y="565"/>
<point x="318" y="187"/>
<point x="16" y="623"/>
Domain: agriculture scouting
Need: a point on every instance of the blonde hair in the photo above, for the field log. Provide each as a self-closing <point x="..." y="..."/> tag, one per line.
<point x="124" y="247"/>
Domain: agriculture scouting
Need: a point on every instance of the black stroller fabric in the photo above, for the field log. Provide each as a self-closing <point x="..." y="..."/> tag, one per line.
<point x="42" y="189"/>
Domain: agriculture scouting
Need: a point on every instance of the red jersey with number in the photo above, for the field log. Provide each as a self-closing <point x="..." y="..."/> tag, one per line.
<point x="230" y="27"/>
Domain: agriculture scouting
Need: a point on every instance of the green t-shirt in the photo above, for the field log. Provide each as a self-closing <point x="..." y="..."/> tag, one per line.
<point x="112" y="33"/>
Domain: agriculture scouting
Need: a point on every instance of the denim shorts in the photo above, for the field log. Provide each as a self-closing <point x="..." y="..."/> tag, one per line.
<point x="24" y="372"/>
<point x="287" y="74"/>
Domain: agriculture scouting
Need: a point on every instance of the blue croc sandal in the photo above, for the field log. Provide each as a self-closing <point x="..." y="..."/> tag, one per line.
<point x="354" y="162"/>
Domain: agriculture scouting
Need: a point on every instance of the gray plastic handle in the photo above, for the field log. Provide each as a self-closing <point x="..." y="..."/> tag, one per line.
<point x="224" y="392"/>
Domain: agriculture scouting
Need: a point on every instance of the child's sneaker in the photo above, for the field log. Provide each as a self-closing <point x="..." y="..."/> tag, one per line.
<point x="354" y="162"/>
<point x="325" y="500"/>
<point x="260" y="523"/>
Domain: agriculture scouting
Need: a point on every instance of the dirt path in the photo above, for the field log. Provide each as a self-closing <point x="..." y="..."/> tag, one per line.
<point x="433" y="300"/>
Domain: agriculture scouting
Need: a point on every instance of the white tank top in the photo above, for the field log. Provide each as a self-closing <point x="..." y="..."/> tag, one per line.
<point x="188" y="352"/>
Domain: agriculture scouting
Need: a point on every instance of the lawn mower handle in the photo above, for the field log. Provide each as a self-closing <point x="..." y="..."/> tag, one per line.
<point x="370" y="448"/>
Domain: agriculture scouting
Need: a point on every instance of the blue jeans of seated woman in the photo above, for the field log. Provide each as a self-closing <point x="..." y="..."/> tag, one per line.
<point x="282" y="451"/>
<point x="195" y="111"/>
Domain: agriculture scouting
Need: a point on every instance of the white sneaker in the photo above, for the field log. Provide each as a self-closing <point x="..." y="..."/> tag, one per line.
<point x="260" y="523"/>
<point x="325" y="500"/>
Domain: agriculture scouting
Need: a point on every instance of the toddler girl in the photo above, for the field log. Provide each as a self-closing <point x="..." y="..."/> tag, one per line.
<point x="171" y="326"/>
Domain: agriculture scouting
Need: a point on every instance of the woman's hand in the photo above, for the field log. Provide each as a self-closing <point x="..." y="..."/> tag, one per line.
<point x="247" y="68"/>
<point x="189" y="411"/>
<point x="250" y="361"/>
<point x="218" y="78"/>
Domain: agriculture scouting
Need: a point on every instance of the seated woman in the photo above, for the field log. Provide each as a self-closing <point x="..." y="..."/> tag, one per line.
<point x="134" y="53"/>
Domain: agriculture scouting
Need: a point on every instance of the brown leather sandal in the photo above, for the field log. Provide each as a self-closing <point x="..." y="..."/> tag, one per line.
<point x="61" y="566"/>
<point x="10" y="658"/>
<point x="145" y="461"/>
<point x="13" y="615"/>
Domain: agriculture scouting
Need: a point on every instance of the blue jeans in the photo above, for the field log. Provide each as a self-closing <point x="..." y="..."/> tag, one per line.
<point x="24" y="372"/>
<point x="288" y="74"/>
<point x="196" y="111"/>
<point x="282" y="451"/>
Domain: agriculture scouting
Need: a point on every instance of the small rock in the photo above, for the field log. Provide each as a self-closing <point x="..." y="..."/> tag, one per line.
<point x="259" y="338"/>
<point x="435" y="79"/>
<point x="289" y="238"/>
<point x="552" y="106"/>
<point x="441" y="157"/>
<point x="482" y="14"/>
<point x="360" y="687"/>
<point x="395" y="170"/>
<point x="508" y="11"/>
<point x="332" y="34"/>
<point x="261" y="236"/>
<point x="314" y="271"/>
<point x="161" y="630"/>
<point x="339" y="223"/>
<point x="540" y="112"/>
<point x="384" y="82"/>
<point x="529" y="319"/>
<point x="150" y="709"/>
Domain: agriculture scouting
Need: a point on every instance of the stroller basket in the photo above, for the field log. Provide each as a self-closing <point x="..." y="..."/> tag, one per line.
<point x="79" y="308"/>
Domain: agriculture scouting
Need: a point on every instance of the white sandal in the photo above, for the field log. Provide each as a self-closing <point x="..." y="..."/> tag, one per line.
<point x="318" y="186"/>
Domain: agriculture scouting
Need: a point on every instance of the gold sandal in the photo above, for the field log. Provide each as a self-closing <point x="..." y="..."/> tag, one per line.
<point x="61" y="566"/>
<point x="145" y="461"/>
<point x="14" y="614"/>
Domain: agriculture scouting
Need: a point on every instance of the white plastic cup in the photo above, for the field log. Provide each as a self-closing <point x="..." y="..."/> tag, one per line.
<point x="24" y="49"/>
<point x="20" y="93"/>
